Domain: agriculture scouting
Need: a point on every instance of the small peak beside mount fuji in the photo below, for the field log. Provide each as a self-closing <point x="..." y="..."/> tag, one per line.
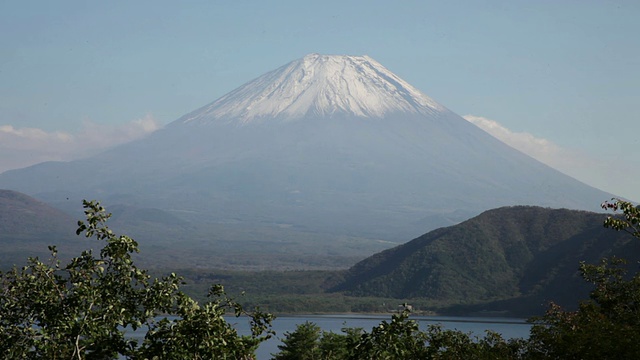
<point x="318" y="85"/>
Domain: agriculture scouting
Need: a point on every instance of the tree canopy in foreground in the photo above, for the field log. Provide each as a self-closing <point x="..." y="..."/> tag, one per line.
<point x="82" y="310"/>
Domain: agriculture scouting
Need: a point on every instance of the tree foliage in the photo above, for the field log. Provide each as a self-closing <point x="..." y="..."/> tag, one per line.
<point x="301" y="344"/>
<point x="630" y="219"/>
<point x="607" y="326"/>
<point x="82" y="310"/>
<point x="399" y="338"/>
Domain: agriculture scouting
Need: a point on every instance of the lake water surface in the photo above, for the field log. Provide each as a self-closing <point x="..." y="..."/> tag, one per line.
<point x="508" y="327"/>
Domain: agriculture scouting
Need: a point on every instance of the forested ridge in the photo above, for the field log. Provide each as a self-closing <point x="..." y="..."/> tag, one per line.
<point x="506" y="253"/>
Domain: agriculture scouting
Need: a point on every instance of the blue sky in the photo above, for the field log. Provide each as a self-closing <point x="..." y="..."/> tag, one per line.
<point x="559" y="79"/>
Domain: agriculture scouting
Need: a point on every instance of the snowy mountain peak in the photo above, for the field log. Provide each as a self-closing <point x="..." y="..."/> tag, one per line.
<point x="321" y="85"/>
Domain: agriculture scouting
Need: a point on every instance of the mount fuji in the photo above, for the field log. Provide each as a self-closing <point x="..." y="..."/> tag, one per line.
<point x="327" y="144"/>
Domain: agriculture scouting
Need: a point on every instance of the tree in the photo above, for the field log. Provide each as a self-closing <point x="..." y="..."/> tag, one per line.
<point x="630" y="219"/>
<point x="402" y="339"/>
<point x="607" y="326"/>
<point x="340" y="346"/>
<point x="81" y="310"/>
<point x="301" y="344"/>
<point x="399" y="338"/>
<point x="309" y="342"/>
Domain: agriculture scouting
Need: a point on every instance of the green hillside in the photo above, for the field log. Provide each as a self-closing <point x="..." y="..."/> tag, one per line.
<point x="525" y="253"/>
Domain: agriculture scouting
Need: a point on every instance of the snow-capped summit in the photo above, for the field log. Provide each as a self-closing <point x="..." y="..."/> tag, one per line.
<point x="321" y="85"/>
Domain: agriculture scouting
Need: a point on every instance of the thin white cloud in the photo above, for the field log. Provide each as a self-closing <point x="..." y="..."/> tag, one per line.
<point x="540" y="149"/>
<point x="22" y="147"/>
<point x="607" y="174"/>
<point x="104" y="136"/>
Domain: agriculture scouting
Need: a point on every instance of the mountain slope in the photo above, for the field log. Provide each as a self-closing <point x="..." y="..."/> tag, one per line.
<point x="334" y="145"/>
<point x="22" y="214"/>
<point x="504" y="253"/>
<point x="28" y="226"/>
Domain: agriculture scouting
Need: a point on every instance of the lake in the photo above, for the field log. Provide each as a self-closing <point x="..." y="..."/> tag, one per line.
<point x="508" y="327"/>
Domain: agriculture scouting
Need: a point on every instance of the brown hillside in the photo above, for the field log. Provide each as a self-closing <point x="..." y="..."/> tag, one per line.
<point x="28" y="226"/>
